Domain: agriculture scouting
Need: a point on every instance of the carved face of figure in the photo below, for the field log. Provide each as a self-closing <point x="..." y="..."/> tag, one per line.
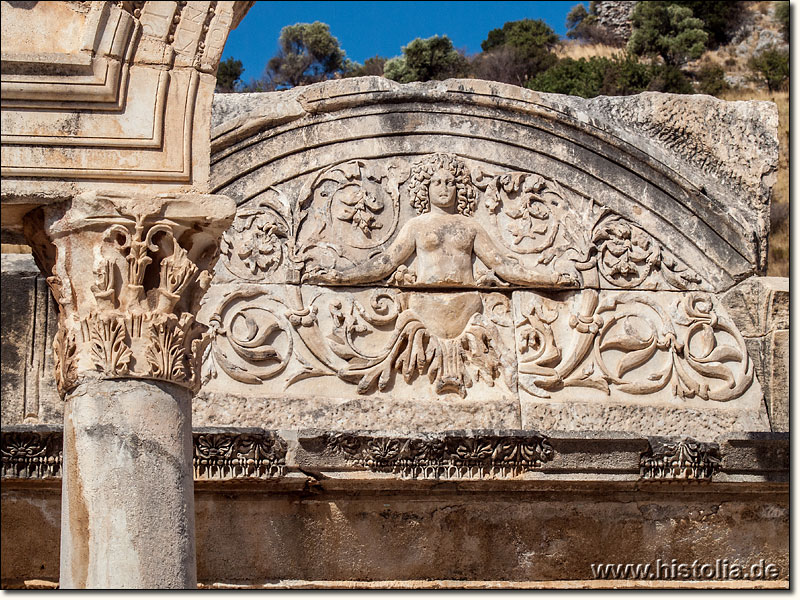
<point x="442" y="189"/>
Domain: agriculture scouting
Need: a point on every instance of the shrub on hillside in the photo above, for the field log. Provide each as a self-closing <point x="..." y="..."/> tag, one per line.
<point x="595" y="76"/>
<point x="711" y="80"/>
<point x="773" y="66"/>
<point x="782" y="16"/>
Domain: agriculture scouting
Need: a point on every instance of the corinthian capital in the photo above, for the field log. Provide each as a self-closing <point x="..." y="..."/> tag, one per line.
<point x="128" y="273"/>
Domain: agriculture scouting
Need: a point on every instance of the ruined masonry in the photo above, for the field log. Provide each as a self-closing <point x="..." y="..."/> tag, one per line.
<point x="363" y="334"/>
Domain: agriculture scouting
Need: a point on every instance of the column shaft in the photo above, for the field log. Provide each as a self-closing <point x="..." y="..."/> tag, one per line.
<point x="127" y="516"/>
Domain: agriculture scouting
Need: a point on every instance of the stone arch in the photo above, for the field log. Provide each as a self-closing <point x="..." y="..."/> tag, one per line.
<point x="621" y="153"/>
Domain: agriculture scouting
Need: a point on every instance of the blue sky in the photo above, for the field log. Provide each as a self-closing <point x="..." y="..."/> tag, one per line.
<point x="365" y="29"/>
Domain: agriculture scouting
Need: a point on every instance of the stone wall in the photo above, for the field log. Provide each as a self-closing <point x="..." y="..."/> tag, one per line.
<point x="615" y="16"/>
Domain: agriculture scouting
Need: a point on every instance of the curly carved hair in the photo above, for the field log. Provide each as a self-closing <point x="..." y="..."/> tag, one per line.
<point x="422" y="172"/>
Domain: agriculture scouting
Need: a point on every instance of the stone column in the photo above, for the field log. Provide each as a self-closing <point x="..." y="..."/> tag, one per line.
<point x="128" y="273"/>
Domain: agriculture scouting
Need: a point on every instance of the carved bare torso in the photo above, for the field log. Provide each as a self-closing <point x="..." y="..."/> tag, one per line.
<point x="444" y="245"/>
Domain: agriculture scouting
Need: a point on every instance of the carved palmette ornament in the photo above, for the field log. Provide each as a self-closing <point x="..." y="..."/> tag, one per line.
<point x="128" y="276"/>
<point x="451" y="455"/>
<point x="31" y="455"/>
<point x="685" y="460"/>
<point x="230" y="455"/>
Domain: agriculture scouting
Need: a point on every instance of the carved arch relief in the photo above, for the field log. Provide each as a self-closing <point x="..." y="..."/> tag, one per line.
<point x="433" y="242"/>
<point x="374" y="223"/>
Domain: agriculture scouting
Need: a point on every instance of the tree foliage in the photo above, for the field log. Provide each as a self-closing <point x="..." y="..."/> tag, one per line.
<point x="307" y="53"/>
<point x="229" y="73"/>
<point x="782" y="16"/>
<point x="424" y="60"/>
<point x="773" y="66"/>
<point x="720" y="18"/>
<point x="711" y="79"/>
<point x="595" y="76"/>
<point x="583" y="25"/>
<point x="532" y="41"/>
<point x="371" y="66"/>
<point x="667" y="30"/>
<point x="502" y="64"/>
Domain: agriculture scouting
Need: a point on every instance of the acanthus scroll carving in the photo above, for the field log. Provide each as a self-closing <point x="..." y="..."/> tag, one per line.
<point x="128" y="275"/>
<point x="634" y="343"/>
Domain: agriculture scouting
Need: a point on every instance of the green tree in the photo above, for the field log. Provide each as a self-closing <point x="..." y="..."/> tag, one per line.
<point x="229" y="73"/>
<point x="424" y="60"/>
<point x="371" y="66"/>
<point x="720" y="18"/>
<point x="307" y="53"/>
<point x="773" y="66"/>
<point x="711" y="79"/>
<point x="667" y="30"/>
<point x="782" y="16"/>
<point x="617" y="76"/>
<point x="533" y="42"/>
<point x="669" y="78"/>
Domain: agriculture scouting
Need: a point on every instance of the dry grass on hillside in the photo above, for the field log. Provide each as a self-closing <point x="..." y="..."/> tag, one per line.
<point x="576" y="50"/>
<point x="778" y="264"/>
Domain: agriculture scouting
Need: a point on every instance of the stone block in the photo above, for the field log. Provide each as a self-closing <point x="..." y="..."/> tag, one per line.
<point x="30" y="319"/>
<point x="344" y="358"/>
<point x="759" y="305"/>
<point x="778" y="380"/>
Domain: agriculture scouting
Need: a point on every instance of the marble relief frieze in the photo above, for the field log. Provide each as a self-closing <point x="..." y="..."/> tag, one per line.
<point x="437" y="276"/>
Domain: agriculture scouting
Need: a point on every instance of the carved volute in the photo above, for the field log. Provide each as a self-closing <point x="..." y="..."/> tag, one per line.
<point x="128" y="273"/>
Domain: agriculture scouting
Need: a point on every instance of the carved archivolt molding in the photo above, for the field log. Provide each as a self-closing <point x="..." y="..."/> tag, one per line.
<point x="128" y="275"/>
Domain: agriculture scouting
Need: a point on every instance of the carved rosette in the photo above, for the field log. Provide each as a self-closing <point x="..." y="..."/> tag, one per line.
<point x="128" y="275"/>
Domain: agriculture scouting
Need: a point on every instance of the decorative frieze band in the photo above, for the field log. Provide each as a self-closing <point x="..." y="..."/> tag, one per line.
<point x="31" y="454"/>
<point x="239" y="456"/>
<point x="444" y="456"/>
<point x="35" y="453"/>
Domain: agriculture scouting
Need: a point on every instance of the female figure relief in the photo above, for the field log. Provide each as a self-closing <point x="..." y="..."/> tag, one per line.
<point x="443" y="236"/>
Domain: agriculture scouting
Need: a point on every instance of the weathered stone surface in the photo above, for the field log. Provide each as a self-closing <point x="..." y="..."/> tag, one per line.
<point x="339" y="506"/>
<point x="127" y="487"/>
<point x="760" y="308"/>
<point x="778" y="377"/>
<point x="128" y="272"/>
<point x="759" y="305"/>
<point x="107" y="91"/>
<point x="593" y="148"/>
<point x="354" y="358"/>
<point x="30" y="320"/>
<point x="648" y="363"/>
<point x="575" y="415"/>
<point x="379" y="185"/>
